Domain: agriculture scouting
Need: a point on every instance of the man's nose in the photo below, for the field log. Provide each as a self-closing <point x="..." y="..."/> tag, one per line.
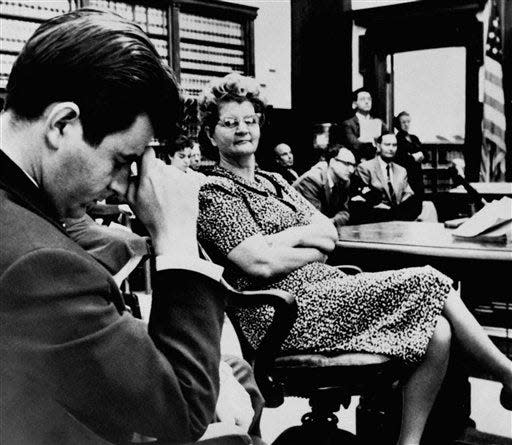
<point x="120" y="182"/>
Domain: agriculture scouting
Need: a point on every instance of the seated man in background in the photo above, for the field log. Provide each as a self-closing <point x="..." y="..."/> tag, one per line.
<point x="383" y="190"/>
<point x="76" y="366"/>
<point x="359" y="132"/>
<point x="326" y="185"/>
<point x="283" y="162"/>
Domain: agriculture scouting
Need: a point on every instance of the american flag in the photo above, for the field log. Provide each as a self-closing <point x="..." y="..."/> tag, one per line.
<point x="492" y="167"/>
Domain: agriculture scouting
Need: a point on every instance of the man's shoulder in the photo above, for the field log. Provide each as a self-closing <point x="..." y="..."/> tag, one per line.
<point x="315" y="174"/>
<point x="350" y="122"/>
<point x="368" y="164"/>
<point x="24" y="231"/>
<point x="399" y="169"/>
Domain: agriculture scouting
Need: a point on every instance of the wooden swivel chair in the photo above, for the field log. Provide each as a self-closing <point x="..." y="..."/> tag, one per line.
<point x="327" y="380"/>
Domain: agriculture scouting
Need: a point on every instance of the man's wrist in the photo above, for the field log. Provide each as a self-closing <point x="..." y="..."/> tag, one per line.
<point x="185" y="244"/>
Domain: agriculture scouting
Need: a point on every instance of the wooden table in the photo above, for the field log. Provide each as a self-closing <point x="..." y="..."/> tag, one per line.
<point x="489" y="190"/>
<point x="484" y="269"/>
<point x="428" y="242"/>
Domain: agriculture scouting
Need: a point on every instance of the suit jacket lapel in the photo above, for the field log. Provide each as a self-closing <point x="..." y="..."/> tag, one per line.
<point x="25" y="192"/>
<point x="327" y="189"/>
<point x="357" y="128"/>
<point x="382" y="178"/>
<point x="398" y="183"/>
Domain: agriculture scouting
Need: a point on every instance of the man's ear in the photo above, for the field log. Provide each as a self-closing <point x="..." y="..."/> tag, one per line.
<point x="354" y="105"/>
<point x="59" y="117"/>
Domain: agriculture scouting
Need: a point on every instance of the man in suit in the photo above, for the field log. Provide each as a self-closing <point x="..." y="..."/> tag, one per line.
<point x="283" y="162"/>
<point x="76" y="367"/>
<point x="383" y="185"/>
<point x="359" y="132"/>
<point x="326" y="185"/>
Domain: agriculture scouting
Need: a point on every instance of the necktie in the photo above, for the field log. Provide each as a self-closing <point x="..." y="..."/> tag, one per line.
<point x="390" y="186"/>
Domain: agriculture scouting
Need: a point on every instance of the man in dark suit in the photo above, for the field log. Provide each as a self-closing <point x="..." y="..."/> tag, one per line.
<point x="384" y="188"/>
<point x="283" y="162"/>
<point x="326" y="184"/>
<point x="359" y="132"/>
<point x="85" y="97"/>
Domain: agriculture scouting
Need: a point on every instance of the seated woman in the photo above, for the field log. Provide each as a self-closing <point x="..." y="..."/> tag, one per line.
<point x="267" y="235"/>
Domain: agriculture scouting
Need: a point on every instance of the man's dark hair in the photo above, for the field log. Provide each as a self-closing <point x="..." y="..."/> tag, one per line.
<point x="378" y="139"/>
<point x="180" y="143"/>
<point x="396" y="119"/>
<point x="103" y="63"/>
<point x="332" y="151"/>
<point x="360" y="90"/>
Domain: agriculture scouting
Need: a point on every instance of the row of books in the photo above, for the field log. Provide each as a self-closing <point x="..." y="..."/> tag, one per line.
<point x="219" y="69"/>
<point x="194" y="84"/>
<point x="151" y="20"/>
<point x="162" y="46"/>
<point x="211" y="54"/>
<point x="6" y="63"/>
<point x="15" y="33"/>
<point x="211" y="30"/>
<point x="34" y="9"/>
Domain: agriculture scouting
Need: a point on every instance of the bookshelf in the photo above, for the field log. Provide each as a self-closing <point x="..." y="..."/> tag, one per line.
<point x="438" y="158"/>
<point x="199" y="39"/>
<point x="18" y="21"/>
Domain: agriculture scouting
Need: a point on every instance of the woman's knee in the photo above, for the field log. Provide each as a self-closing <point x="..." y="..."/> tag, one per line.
<point x="441" y="339"/>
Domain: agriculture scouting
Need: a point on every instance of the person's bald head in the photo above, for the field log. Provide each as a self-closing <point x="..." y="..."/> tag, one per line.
<point x="343" y="164"/>
<point x="283" y="155"/>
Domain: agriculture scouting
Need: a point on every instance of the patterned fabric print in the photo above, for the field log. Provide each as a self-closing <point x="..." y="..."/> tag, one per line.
<point x="392" y="313"/>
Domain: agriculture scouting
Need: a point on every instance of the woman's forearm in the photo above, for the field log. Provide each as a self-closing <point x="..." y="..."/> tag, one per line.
<point x="258" y="257"/>
<point x="320" y="235"/>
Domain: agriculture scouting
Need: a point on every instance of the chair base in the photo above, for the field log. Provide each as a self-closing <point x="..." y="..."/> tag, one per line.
<point x="330" y="435"/>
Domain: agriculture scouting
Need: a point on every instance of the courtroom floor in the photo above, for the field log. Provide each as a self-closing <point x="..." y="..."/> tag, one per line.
<point x="489" y="416"/>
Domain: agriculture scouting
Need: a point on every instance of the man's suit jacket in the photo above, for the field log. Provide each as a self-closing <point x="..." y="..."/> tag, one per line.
<point x="333" y="203"/>
<point x="76" y="367"/>
<point x="289" y="174"/>
<point x="350" y="133"/>
<point x="372" y="175"/>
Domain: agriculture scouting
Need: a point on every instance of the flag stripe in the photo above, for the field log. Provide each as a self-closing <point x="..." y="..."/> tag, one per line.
<point x="495" y="92"/>
<point x="492" y="167"/>
<point x="499" y="142"/>
<point x="494" y="116"/>
<point x="494" y="103"/>
<point x="494" y="78"/>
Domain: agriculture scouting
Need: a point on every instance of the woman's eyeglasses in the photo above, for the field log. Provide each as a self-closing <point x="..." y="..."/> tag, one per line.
<point x="233" y="122"/>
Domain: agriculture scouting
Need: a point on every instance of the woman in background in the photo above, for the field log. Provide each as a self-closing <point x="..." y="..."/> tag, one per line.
<point x="268" y="236"/>
<point x="179" y="153"/>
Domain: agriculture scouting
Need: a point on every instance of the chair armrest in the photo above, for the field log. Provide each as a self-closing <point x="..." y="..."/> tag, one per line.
<point x="262" y="359"/>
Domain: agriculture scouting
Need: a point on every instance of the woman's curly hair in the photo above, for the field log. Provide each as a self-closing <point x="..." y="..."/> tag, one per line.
<point x="231" y="88"/>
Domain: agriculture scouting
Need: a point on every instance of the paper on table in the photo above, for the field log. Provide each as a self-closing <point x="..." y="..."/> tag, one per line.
<point x="492" y="219"/>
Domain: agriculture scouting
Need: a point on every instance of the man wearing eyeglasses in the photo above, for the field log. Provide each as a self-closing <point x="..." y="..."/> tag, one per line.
<point x="326" y="185"/>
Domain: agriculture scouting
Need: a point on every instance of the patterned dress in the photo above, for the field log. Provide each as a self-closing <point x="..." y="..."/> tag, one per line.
<point x="392" y="313"/>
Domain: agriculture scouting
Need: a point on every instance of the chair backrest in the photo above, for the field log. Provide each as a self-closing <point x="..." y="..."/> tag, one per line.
<point x="262" y="358"/>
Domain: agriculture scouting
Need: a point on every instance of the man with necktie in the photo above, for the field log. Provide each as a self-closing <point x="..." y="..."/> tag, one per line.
<point x="326" y="185"/>
<point x="384" y="185"/>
